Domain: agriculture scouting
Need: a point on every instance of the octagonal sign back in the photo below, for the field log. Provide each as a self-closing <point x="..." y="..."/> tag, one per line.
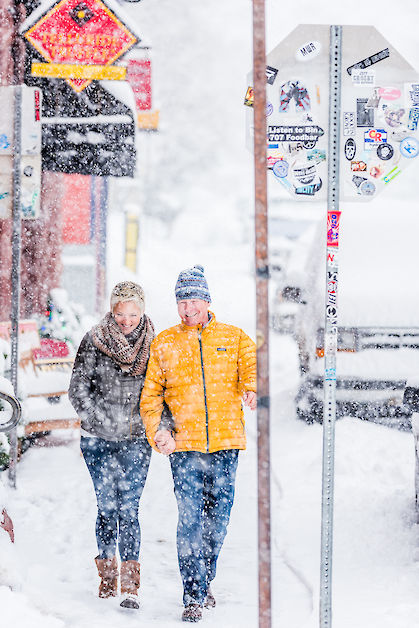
<point x="378" y="121"/>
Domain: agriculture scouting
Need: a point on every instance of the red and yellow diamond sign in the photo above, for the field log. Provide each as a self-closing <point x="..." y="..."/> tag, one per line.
<point x="80" y="32"/>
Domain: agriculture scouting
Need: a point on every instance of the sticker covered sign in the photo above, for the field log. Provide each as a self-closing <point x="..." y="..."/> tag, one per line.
<point x="380" y="113"/>
<point x="379" y="119"/>
<point x="297" y="117"/>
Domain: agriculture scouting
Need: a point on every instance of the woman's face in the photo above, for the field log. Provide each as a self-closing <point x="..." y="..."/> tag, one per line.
<point x="127" y="316"/>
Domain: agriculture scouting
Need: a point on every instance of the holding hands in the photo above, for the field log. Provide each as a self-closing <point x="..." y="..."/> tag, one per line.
<point x="250" y="399"/>
<point x="165" y="442"/>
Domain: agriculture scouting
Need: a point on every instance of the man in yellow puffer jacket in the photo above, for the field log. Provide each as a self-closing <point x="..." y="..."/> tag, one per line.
<point x="204" y="371"/>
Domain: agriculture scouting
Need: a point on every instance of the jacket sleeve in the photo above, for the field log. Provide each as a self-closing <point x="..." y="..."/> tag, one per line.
<point x="82" y="383"/>
<point x="247" y="364"/>
<point x="154" y="412"/>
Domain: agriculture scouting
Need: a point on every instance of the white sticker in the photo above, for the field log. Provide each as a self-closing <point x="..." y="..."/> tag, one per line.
<point x="308" y="51"/>
<point x="363" y="78"/>
<point x="331" y="342"/>
<point x="411" y="94"/>
<point x="349" y="126"/>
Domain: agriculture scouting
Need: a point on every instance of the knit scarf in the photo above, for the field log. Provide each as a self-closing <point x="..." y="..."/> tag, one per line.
<point x="132" y="357"/>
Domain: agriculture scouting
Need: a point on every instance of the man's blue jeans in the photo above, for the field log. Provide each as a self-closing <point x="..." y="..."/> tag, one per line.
<point x="119" y="471"/>
<point x="204" y="489"/>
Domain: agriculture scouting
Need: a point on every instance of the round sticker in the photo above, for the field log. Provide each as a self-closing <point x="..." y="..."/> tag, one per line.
<point x="385" y="151"/>
<point x="367" y="188"/>
<point x="280" y="168"/>
<point x="350" y="149"/>
<point x="409" y="147"/>
<point x="376" y="171"/>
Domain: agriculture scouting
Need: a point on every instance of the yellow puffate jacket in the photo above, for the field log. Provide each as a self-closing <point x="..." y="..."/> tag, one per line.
<point x="201" y="374"/>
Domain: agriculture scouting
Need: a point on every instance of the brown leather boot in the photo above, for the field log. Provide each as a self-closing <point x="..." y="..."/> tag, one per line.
<point x="209" y="601"/>
<point x="192" y="613"/>
<point x="130" y="582"/>
<point x="107" y="569"/>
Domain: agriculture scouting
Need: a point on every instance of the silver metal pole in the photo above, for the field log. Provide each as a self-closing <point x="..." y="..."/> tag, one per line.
<point x="15" y="273"/>
<point x="330" y="336"/>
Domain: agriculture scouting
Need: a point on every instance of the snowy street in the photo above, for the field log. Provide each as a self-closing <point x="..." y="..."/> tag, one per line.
<point x="375" y="560"/>
<point x="193" y="200"/>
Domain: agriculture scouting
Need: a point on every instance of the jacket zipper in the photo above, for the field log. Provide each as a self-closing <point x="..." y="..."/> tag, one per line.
<point x="205" y="389"/>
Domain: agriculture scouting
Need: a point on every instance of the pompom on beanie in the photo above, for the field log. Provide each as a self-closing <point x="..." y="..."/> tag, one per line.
<point x="191" y="284"/>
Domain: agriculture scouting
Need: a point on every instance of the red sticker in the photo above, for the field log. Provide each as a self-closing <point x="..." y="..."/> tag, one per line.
<point x="333" y="220"/>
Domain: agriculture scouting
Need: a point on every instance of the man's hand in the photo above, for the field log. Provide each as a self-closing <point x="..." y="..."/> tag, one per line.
<point x="250" y="399"/>
<point x="165" y="442"/>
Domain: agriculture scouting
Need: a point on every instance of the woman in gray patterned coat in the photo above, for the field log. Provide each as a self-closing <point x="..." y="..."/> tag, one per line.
<point x="106" y="383"/>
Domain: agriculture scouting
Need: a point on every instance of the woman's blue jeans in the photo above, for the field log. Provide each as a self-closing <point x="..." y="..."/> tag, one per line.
<point x="204" y="490"/>
<point x="119" y="471"/>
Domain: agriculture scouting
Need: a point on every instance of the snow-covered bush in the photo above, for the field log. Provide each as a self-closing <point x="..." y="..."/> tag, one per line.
<point x="64" y="319"/>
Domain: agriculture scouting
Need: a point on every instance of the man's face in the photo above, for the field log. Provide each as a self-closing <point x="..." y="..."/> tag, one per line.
<point x="193" y="311"/>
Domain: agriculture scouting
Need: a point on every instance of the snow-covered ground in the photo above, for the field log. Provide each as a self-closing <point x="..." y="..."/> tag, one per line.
<point x="198" y="164"/>
<point x="375" y="571"/>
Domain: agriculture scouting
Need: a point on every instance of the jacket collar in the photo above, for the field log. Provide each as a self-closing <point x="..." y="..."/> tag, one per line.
<point x="199" y="328"/>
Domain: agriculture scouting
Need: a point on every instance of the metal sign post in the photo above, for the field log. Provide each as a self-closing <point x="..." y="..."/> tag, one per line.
<point x="262" y="313"/>
<point x="330" y="340"/>
<point x="360" y="142"/>
<point x="15" y="274"/>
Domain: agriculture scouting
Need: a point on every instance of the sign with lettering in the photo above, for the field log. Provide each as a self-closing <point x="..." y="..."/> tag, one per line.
<point x="379" y="124"/>
<point x="139" y="77"/>
<point x="80" y="32"/>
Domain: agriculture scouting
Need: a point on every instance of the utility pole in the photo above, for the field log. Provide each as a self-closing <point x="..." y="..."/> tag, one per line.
<point x="262" y="313"/>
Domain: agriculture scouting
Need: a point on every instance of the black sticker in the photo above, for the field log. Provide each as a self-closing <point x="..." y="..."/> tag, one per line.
<point x="364" y="114"/>
<point x="358" y="180"/>
<point x="350" y="149"/>
<point x="365" y="63"/>
<point x="271" y="74"/>
<point x="294" y="133"/>
<point x="385" y="151"/>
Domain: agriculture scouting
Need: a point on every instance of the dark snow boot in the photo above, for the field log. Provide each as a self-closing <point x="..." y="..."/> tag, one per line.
<point x="209" y="601"/>
<point x="107" y="569"/>
<point x="130" y="582"/>
<point x="192" y="613"/>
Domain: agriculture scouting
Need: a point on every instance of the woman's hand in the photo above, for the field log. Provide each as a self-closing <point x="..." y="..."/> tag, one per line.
<point x="165" y="442"/>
